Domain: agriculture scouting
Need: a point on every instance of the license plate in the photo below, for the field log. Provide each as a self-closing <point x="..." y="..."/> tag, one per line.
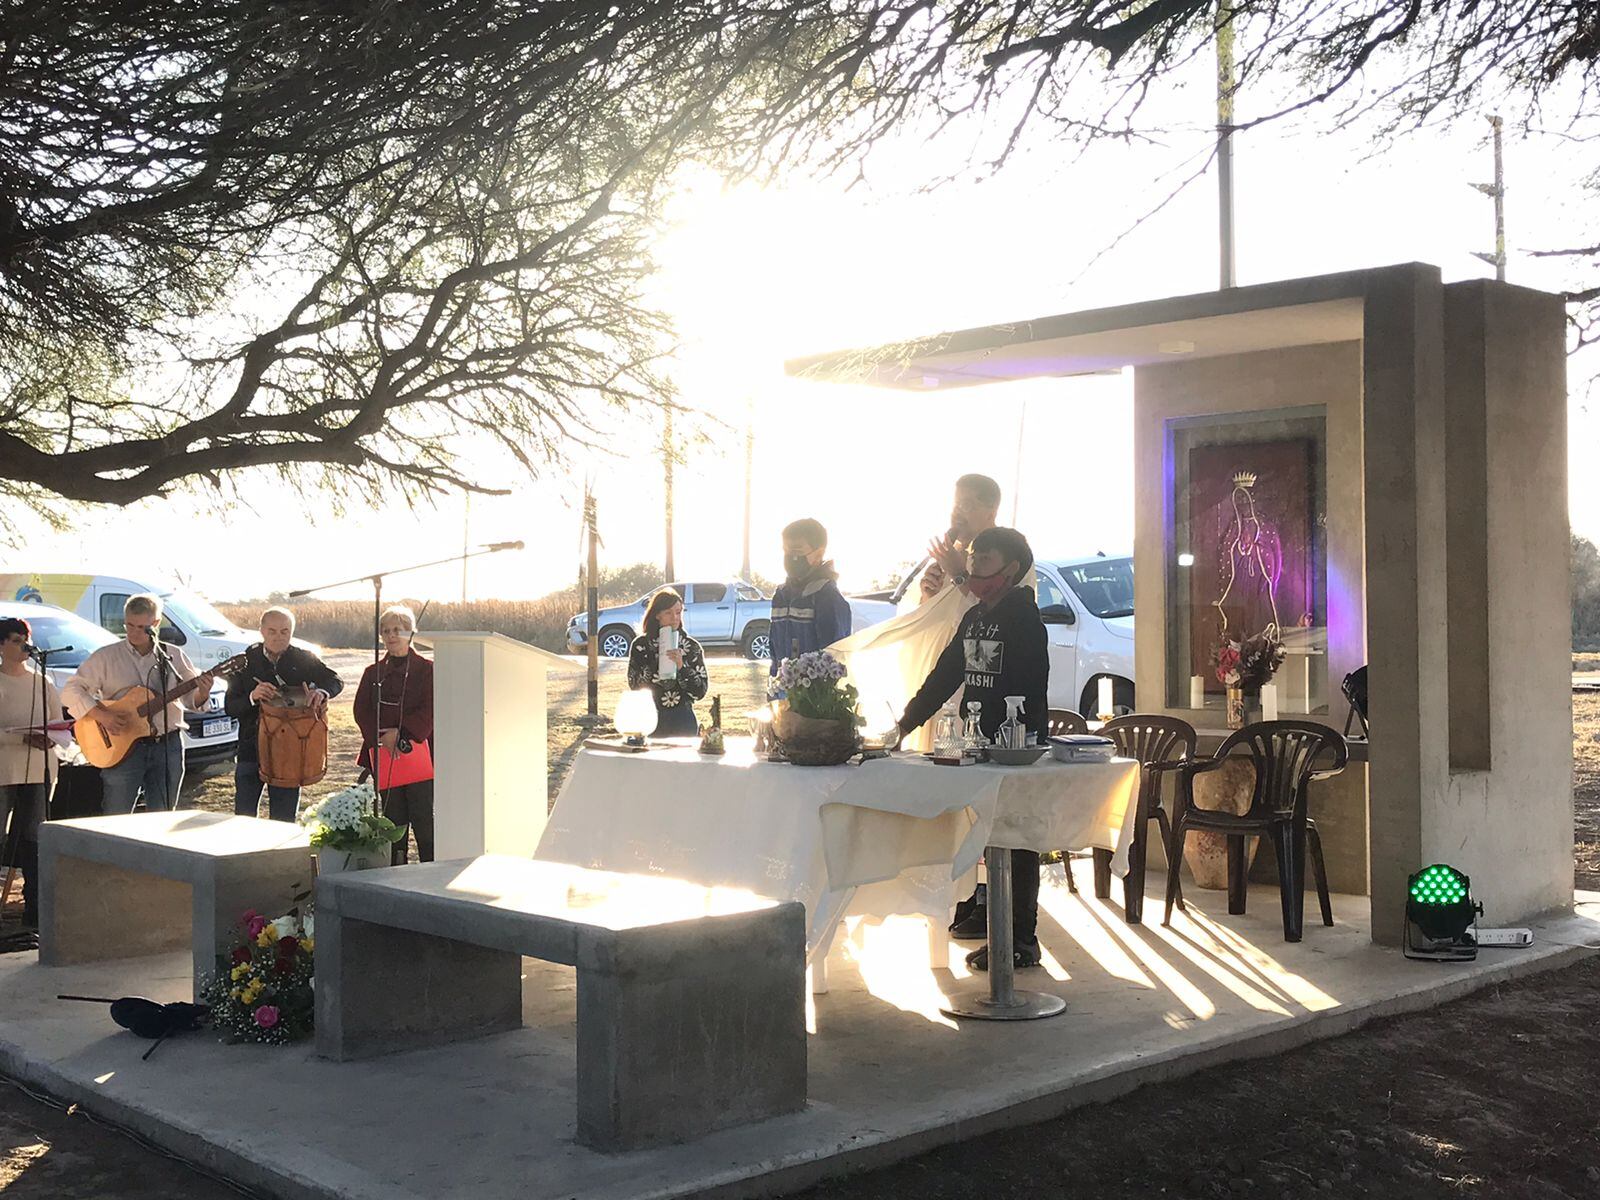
<point x="212" y="728"/>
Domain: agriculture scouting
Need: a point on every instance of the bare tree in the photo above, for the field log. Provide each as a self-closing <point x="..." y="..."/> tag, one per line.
<point x="335" y="236"/>
<point x="1085" y="68"/>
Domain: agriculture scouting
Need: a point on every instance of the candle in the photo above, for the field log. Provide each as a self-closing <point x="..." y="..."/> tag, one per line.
<point x="1269" y="702"/>
<point x="1107" y="711"/>
<point x="1197" y="691"/>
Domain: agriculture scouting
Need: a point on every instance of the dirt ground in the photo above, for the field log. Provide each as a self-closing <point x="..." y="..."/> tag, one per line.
<point x="1488" y="1097"/>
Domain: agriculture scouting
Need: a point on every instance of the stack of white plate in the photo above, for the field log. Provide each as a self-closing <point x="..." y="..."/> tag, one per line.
<point x="1082" y="748"/>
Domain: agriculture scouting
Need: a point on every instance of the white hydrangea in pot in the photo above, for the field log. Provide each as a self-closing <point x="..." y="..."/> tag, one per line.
<point x="347" y="832"/>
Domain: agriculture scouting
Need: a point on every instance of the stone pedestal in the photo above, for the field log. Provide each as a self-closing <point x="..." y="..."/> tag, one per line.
<point x="490" y="737"/>
<point x="148" y="883"/>
<point x="690" y="1001"/>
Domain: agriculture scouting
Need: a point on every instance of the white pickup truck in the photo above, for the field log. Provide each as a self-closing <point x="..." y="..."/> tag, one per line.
<point x="728" y="613"/>
<point x="1087" y="606"/>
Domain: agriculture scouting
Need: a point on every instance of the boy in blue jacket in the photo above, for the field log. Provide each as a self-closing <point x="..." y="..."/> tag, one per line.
<point x="808" y="611"/>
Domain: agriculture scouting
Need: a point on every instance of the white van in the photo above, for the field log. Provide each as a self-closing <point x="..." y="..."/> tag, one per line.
<point x="188" y="620"/>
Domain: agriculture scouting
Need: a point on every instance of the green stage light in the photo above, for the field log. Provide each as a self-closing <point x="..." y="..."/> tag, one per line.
<point x="1441" y="918"/>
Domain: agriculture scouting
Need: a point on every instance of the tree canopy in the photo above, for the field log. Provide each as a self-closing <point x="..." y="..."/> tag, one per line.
<point x="337" y="235"/>
<point x="333" y="237"/>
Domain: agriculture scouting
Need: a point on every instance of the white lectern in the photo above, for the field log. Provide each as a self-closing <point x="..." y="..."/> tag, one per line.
<point x="489" y="743"/>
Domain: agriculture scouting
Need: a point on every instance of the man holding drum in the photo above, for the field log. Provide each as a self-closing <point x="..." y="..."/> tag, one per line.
<point x="276" y="672"/>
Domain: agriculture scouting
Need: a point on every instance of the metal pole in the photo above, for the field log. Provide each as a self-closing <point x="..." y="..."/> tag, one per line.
<point x="1497" y="192"/>
<point x="593" y="599"/>
<point x="749" y="463"/>
<point x="1002" y="970"/>
<point x="1001" y="1001"/>
<point x="1016" y="482"/>
<point x="1226" y="83"/>
<point x="666" y="461"/>
<point x="1499" y="205"/>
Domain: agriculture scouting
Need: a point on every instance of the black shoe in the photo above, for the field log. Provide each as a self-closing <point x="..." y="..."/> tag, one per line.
<point x="974" y="927"/>
<point x="1023" y="954"/>
<point x="972" y="916"/>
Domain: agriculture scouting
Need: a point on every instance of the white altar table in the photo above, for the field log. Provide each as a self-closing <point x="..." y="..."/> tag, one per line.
<point x="817" y="834"/>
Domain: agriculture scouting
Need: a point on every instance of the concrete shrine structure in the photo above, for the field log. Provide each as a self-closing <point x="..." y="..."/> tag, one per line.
<point x="1436" y="418"/>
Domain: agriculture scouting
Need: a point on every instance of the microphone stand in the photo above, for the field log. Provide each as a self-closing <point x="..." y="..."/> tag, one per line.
<point x="41" y="656"/>
<point x="163" y="665"/>
<point x="376" y="580"/>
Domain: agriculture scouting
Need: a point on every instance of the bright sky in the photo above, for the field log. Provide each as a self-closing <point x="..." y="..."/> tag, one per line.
<point x="754" y="277"/>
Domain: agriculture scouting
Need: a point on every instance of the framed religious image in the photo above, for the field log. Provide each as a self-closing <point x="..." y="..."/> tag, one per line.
<point x="1247" y="562"/>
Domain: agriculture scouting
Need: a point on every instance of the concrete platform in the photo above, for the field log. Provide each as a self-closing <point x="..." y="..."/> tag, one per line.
<point x="889" y="1076"/>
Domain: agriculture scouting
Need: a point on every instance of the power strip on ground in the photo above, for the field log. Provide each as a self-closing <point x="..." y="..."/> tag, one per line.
<point x="1505" y="937"/>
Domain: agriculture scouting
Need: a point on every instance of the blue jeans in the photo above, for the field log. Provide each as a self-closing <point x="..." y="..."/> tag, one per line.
<point x="282" y="802"/>
<point x="154" y="769"/>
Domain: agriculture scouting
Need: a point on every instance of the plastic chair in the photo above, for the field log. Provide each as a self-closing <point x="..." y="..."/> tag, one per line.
<point x="1158" y="744"/>
<point x="1284" y="754"/>
<point x="1062" y="721"/>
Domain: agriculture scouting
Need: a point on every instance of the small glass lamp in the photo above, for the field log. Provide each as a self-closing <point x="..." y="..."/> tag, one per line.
<point x="636" y="715"/>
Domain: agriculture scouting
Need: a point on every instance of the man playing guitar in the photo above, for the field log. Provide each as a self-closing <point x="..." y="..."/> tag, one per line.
<point x="154" y="766"/>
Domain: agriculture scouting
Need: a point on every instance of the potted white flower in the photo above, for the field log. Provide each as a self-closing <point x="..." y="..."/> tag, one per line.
<point x="347" y="832"/>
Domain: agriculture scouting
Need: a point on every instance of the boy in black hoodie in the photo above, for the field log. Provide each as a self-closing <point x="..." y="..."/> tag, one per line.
<point x="808" y="610"/>
<point x="1000" y="650"/>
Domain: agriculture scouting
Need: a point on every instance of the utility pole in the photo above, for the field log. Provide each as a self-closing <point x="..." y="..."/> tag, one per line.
<point x="666" y="463"/>
<point x="1496" y="190"/>
<point x="1227" y="82"/>
<point x="749" y="464"/>
<point x="1016" y="483"/>
<point x="466" y="526"/>
<point x="593" y="600"/>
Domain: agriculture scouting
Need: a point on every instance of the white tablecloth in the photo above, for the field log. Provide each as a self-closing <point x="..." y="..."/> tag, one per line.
<point x="815" y="834"/>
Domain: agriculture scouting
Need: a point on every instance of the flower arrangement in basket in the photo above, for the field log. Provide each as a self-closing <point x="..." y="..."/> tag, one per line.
<point x="263" y="989"/>
<point x="348" y="832"/>
<point x="818" y="712"/>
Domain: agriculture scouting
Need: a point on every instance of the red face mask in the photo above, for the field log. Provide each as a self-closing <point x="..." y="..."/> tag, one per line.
<point x="988" y="588"/>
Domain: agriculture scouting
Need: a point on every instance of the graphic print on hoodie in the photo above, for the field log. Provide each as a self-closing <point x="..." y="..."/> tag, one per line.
<point x="999" y="652"/>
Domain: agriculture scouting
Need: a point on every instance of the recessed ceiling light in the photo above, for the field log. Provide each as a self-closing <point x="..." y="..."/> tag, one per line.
<point x="1176" y="347"/>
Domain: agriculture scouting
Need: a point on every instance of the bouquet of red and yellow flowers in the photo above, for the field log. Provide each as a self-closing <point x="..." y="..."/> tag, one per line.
<point x="263" y="991"/>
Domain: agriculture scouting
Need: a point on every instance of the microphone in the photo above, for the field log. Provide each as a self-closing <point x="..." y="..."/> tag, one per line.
<point x="905" y="584"/>
<point x="41" y="653"/>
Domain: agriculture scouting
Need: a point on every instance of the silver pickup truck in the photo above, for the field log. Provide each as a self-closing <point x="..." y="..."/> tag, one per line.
<point x="730" y="613"/>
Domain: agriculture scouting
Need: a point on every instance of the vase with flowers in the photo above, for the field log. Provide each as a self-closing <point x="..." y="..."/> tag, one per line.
<point x="1243" y="666"/>
<point x="347" y="831"/>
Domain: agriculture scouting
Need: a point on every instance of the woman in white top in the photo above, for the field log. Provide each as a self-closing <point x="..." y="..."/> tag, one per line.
<point x="28" y="703"/>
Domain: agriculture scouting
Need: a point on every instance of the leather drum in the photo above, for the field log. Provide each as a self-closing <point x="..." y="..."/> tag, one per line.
<point x="293" y="744"/>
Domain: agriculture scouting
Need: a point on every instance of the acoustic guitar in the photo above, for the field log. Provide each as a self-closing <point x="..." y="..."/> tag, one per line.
<point x="104" y="748"/>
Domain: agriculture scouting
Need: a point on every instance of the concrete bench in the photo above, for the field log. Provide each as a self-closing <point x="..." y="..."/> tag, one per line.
<point x="691" y="1000"/>
<point x="150" y="883"/>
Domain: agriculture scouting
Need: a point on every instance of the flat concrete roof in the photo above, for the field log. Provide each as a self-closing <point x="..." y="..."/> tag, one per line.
<point x="1267" y="316"/>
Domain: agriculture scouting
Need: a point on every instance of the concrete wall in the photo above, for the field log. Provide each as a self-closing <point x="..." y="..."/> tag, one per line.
<point x="1325" y="376"/>
<point x="1505" y="816"/>
<point x="1403" y="413"/>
